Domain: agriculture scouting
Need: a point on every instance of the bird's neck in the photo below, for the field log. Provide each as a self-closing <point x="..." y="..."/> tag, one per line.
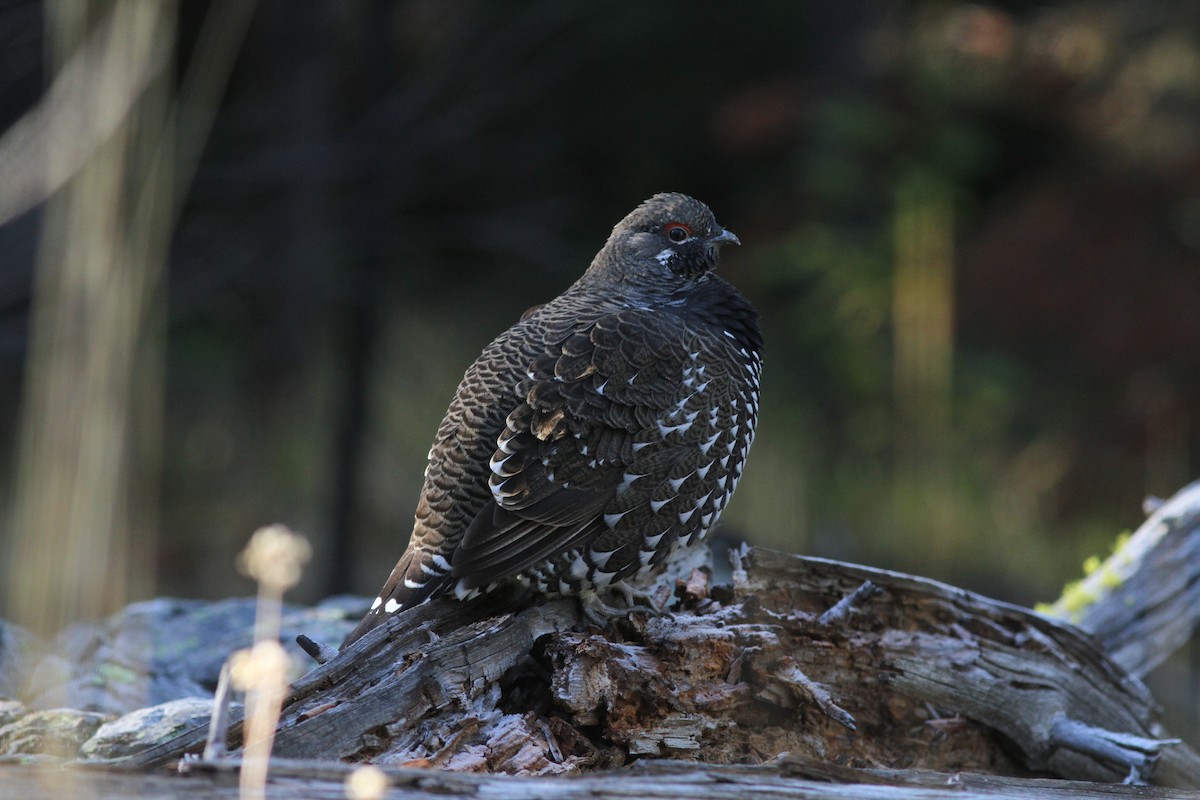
<point x="719" y="304"/>
<point x="636" y="286"/>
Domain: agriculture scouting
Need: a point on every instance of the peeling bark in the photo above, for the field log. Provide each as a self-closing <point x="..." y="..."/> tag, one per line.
<point x="1143" y="602"/>
<point x="785" y="779"/>
<point x="802" y="659"/>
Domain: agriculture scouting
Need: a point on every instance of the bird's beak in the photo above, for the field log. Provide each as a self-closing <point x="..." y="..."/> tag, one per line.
<point x="725" y="237"/>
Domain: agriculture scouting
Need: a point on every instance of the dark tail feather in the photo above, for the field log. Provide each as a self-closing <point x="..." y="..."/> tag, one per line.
<point x="396" y="596"/>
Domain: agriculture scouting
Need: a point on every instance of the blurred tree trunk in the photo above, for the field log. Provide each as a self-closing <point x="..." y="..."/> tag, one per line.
<point x="111" y="149"/>
<point x="923" y="355"/>
<point x="83" y="528"/>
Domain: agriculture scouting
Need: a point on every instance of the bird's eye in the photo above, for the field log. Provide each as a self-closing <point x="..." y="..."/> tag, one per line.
<point x="677" y="231"/>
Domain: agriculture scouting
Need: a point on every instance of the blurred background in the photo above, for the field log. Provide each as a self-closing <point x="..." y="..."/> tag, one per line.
<point x="248" y="249"/>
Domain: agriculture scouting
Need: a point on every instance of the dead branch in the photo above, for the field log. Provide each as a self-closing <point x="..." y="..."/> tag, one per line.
<point x="1143" y="602"/>
<point x="911" y="674"/>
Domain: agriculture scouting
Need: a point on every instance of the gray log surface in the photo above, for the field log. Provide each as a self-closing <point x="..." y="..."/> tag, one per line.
<point x="1143" y="602"/>
<point x="799" y="671"/>
<point x="291" y="780"/>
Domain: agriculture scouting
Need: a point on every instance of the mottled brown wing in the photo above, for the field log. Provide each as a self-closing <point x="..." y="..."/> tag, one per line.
<point x="630" y="437"/>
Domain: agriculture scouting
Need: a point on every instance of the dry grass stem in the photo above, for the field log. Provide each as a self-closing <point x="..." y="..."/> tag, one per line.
<point x="274" y="557"/>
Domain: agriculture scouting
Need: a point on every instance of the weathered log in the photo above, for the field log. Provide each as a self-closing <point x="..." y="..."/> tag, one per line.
<point x="426" y="637"/>
<point x="1143" y="602"/>
<point x="786" y="779"/>
<point x="1040" y="684"/>
<point x="909" y="674"/>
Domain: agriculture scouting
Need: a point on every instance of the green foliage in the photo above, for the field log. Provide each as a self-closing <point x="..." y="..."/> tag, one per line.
<point x="1099" y="577"/>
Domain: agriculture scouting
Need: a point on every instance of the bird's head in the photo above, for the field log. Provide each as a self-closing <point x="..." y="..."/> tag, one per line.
<point x="663" y="245"/>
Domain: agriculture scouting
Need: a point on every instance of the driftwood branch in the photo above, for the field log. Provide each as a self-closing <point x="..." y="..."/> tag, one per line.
<point x="424" y="644"/>
<point x="801" y="661"/>
<point x="786" y="779"/>
<point x="1038" y="683"/>
<point x="1143" y="602"/>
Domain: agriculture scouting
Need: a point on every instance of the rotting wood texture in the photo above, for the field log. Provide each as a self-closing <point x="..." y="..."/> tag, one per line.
<point x="784" y="779"/>
<point x="823" y="660"/>
<point x="1143" y="602"/>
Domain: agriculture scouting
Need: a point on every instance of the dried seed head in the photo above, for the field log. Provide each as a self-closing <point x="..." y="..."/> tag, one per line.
<point x="274" y="557"/>
<point x="368" y="782"/>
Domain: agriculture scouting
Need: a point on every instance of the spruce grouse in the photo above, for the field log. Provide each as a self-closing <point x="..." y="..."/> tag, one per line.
<point x="605" y="429"/>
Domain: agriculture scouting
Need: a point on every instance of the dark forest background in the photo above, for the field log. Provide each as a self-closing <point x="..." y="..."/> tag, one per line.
<point x="972" y="229"/>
